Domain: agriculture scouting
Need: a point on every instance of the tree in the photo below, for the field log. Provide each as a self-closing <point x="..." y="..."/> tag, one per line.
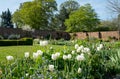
<point x="83" y="19"/>
<point x="17" y="19"/>
<point x="6" y="19"/>
<point x="66" y="9"/>
<point x="114" y="6"/>
<point x="37" y="14"/>
<point x="110" y="24"/>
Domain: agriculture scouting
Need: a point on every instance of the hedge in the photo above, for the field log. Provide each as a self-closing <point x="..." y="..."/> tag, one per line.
<point x="23" y="41"/>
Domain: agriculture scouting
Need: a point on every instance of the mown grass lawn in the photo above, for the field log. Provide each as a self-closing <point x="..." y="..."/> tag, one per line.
<point x="18" y="51"/>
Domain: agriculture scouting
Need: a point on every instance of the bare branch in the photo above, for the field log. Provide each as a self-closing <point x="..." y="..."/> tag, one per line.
<point x="114" y="5"/>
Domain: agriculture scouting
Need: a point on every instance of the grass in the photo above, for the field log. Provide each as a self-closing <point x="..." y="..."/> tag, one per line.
<point x="18" y="51"/>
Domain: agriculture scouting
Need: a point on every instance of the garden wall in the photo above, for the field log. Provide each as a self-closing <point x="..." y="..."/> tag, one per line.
<point x="105" y="35"/>
<point x="6" y="32"/>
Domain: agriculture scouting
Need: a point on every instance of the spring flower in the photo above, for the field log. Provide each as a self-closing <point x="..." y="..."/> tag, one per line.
<point x="43" y="43"/>
<point x="98" y="48"/>
<point x="101" y="46"/>
<point x="35" y="55"/>
<point x="69" y="56"/>
<point x="82" y="54"/>
<point x="76" y="46"/>
<point x="54" y="56"/>
<point x="79" y="70"/>
<point x="80" y="48"/>
<point x="73" y="52"/>
<point x="51" y="48"/>
<point x="57" y="54"/>
<point x="65" y="57"/>
<point x="51" y="67"/>
<point x="80" y="57"/>
<point x="9" y="58"/>
<point x="27" y="74"/>
<point x="86" y="50"/>
<point x="39" y="52"/>
<point x="26" y="54"/>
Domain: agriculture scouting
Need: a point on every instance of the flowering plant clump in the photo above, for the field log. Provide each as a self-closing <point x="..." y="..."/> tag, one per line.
<point x="43" y="43"/>
<point x="51" y="67"/>
<point x="79" y="62"/>
<point x="9" y="58"/>
<point x="26" y="54"/>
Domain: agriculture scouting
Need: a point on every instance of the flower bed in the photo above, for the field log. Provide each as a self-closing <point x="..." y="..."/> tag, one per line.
<point x="87" y="61"/>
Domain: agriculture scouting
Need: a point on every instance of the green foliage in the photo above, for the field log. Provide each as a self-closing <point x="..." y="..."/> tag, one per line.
<point x="66" y="8"/>
<point x="36" y="13"/>
<point x="84" y="19"/>
<point x="117" y="44"/>
<point x="6" y="19"/>
<point x="108" y="25"/>
<point x="17" y="19"/>
<point x="24" y="41"/>
<point x="115" y="61"/>
<point x="102" y="29"/>
<point x="61" y="42"/>
<point x="97" y="64"/>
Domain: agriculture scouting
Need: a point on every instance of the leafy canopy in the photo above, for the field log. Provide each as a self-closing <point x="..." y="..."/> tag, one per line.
<point x="66" y="8"/>
<point x="36" y="14"/>
<point x="84" y="19"/>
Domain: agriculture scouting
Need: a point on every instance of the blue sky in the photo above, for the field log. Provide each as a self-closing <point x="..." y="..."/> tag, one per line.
<point x="100" y="6"/>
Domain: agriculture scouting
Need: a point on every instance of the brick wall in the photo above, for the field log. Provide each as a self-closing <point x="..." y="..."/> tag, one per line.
<point x="103" y="35"/>
<point x="57" y="34"/>
<point x="5" y="32"/>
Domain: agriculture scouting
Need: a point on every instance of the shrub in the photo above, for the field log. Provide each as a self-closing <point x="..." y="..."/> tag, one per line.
<point x="36" y="41"/>
<point x="24" y="41"/>
<point x="117" y="44"/>
<point x="61" y="42"/>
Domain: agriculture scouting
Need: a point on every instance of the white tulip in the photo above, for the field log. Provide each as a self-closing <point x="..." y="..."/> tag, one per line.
<point x="86" y="50"/>
<point x="43" y="43"/>
<point x="82" y="54"/>
<point x="51" y="67"/>
<point x="39" y="52"/>
<point x="65" y="57"/>
<point x="57" y="54"/>
<point x="27" y="54"/>
<point x="101" y="46"/>
<point x="54" y="56"/>
<point x="27" y="74"/>
<point x="9" y="58"/>
<point x="76" y="46"/>
<point x="79" y="70"/>
<point x="35" y="55"/>
<point x="98" y="48"/>
<point x="73" y="52"/>
<point x="80" y="48"/>
<point x="51" y="48"/>
<point x="69" y="56"/>
<point x="80" y="57"/>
